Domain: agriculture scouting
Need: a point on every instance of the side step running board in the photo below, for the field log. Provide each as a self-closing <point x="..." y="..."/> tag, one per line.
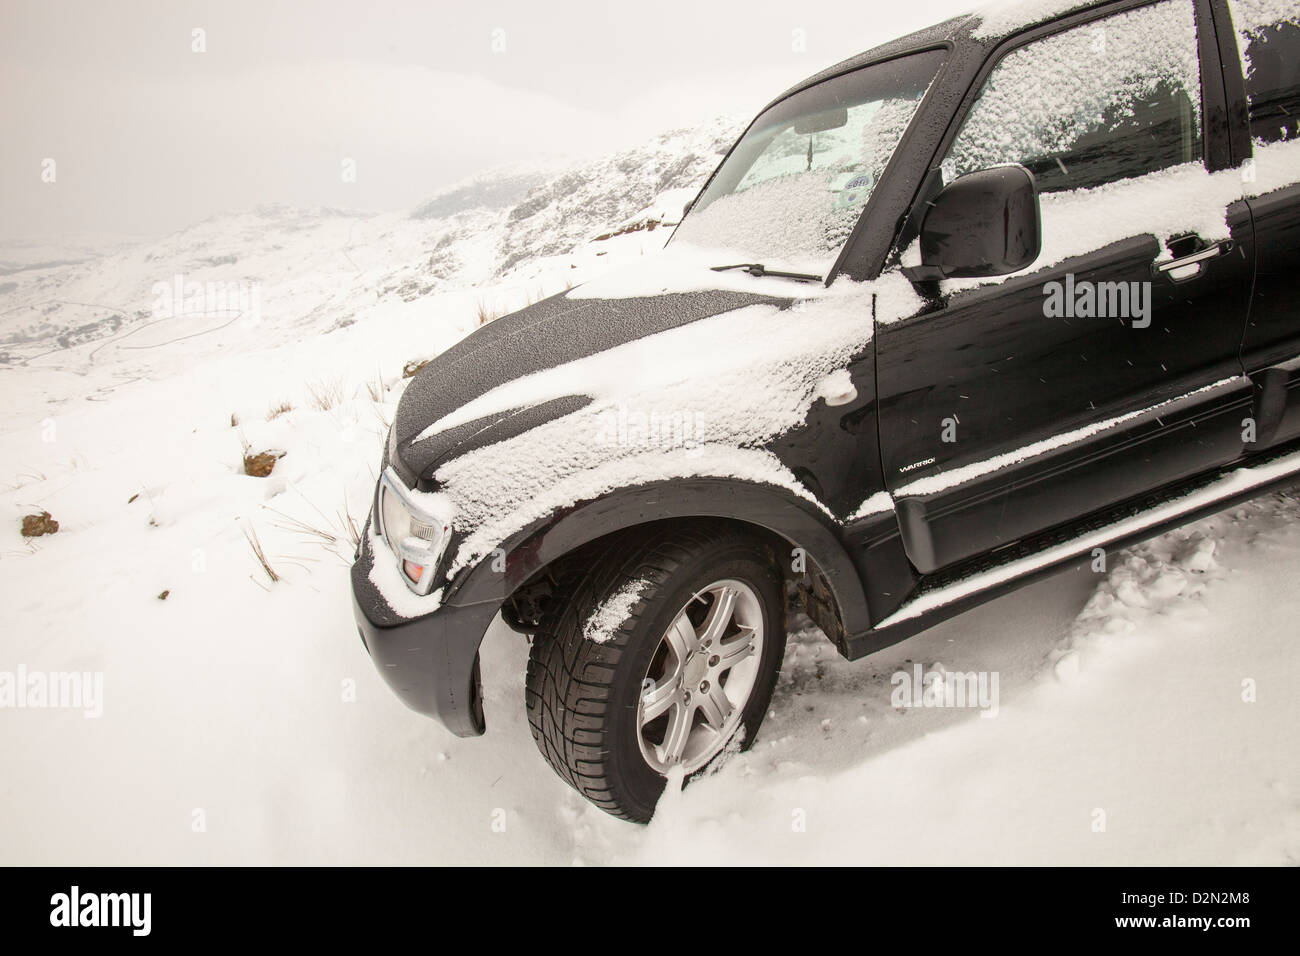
<point x="930" y="607"/>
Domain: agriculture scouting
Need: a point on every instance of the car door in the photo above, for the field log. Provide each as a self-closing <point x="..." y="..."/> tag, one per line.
<point x="1266" y="41"/>
<point x="1110" y="367"/>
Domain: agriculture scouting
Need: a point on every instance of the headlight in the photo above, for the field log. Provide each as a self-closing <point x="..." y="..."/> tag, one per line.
<point x="415" y="537"/>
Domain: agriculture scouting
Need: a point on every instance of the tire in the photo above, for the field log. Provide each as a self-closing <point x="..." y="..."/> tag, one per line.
<point x="668" y="588"/>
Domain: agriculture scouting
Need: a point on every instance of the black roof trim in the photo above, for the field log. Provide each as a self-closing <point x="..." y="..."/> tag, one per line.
<point x="957" y="31"/>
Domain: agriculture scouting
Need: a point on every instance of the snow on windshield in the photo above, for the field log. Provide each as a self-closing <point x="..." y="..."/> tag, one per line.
<point x="794" y="187"/>
<point x="783" y="223"/>
<point x="796" y="211"/>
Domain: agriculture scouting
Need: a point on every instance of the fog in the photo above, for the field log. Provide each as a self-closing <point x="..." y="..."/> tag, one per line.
<point x="132" y="119"/>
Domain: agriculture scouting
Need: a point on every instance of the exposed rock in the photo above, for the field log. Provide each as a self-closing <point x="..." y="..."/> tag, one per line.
<point x="260" y="465"/>
<point x="36" y="525"/>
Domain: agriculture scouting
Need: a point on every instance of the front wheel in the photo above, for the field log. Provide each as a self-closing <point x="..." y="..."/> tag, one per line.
<point x="662" y="655"/>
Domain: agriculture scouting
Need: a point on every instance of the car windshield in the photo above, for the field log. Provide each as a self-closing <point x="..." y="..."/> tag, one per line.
<point x="793" y="188"/>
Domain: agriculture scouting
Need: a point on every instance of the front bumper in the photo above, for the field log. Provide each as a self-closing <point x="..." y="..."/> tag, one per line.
<point x="430" y="662"/>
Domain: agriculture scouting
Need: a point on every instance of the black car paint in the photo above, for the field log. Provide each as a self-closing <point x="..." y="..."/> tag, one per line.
<point x="984" y="224"/>
<point x="874" y="564"/>
<point x="548" y="333"/>
<point x="1011" y="377"/>
<point x="1272" y="340"/>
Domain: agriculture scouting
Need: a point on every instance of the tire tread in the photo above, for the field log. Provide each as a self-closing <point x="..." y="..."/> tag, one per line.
<point x="569" y="685"/>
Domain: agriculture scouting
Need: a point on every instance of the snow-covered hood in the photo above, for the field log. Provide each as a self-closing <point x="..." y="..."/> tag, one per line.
<point x="549" y="333"/>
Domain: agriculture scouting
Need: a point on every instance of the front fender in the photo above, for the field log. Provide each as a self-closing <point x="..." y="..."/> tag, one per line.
<point x="778" y="511"/>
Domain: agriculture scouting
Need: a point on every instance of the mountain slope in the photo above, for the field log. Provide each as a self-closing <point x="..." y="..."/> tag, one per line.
<point x="314" y="270"/>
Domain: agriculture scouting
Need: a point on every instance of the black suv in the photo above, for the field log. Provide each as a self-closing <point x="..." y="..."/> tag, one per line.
<point x="1005" y="293"/>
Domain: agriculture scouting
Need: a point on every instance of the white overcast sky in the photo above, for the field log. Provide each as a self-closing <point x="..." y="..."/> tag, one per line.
<point x="149" y="136"/>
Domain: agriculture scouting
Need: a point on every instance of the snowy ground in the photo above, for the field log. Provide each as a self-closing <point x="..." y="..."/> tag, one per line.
<point x="1146" y="715"/>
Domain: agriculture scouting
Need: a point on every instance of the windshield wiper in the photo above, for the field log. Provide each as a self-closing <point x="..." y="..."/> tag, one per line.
<point x="758" y="269"/>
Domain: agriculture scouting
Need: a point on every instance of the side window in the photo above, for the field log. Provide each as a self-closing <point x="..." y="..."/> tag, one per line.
<point x="1268" y="36"/>
<point x="1113" y="99"/>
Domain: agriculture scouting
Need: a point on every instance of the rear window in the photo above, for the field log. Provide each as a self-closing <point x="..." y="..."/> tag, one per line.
<point x="1268" y="35"/>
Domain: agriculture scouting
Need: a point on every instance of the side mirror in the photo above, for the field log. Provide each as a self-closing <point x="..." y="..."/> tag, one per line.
<point x="982" y="224"/>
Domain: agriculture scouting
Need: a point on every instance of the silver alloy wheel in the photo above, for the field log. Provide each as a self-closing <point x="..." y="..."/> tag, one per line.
<point x="700" y="677"/>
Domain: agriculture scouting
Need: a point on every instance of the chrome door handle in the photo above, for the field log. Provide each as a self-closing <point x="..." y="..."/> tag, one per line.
<point x="1189" y="266"/>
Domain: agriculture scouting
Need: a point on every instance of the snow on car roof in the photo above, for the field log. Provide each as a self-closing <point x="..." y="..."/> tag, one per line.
<point x="981" y="26"/>
<point x="1002" y="17"/>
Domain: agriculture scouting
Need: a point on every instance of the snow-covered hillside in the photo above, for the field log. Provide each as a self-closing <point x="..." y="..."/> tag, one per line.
<point x="308" y="272"/>
<point x="242" y="720"/>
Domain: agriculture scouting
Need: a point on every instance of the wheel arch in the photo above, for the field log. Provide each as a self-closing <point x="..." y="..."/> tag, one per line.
<point x="771" y="513"/>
